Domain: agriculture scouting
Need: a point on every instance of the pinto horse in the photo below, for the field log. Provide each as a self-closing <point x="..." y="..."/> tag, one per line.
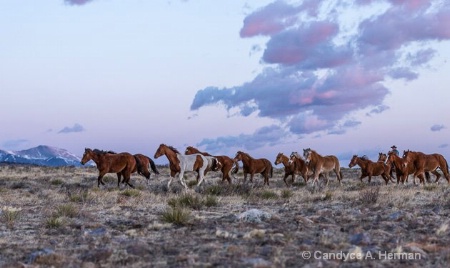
<point x="179" y="163"/>
<point x="369" y="168"/>
<point x="122" y="164"/>
<point x="252" y="166"/>
<point x="427" y="162"/>
<point x="322" y="164"/>
<point x="225" y="162"/>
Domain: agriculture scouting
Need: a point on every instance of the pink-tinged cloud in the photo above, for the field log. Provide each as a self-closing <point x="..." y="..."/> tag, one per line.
<point x="412" y="5"/>
<point x="309" y="45"/>
<point x="77" y="2"/>
<point x="395" y="28"/>
<point x="269" y="20"/>
<point x="316" y="80"/>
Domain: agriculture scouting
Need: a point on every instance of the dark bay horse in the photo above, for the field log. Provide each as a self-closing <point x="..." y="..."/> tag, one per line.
<point x="252" y="166"/>
<point x="427" y="162"/>
<point x="225" y="162"/>
<point x="369" y="168"/>
<point x="322" y="164"/>
<point x="107" y="162"/>
<point x="289" y="167"/>
<point x="143" y="163"/>
<point x="179" y="163"/>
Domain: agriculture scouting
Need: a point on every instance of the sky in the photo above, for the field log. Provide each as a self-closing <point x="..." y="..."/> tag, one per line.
<point x="340" y="77"/>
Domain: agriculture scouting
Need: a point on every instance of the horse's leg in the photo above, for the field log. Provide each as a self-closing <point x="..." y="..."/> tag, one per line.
<point x="436" y="173"/>
<point x="202" y="176"/>
<point x="180" y="177"/>
<point x="101" y="173"/>
<point x="126" y="177"/>
<point x="284" y="179"/>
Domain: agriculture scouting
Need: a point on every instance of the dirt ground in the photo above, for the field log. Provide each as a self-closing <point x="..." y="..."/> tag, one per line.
<point x="58" y="217"/>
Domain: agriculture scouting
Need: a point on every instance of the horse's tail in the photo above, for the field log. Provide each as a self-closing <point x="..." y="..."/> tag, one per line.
<point x="138" y="163"/>
<point x="271" y="171"/>
<point x="235" y="167"/>
<point x="340" y="174"/>
<point x="153" y="166"/>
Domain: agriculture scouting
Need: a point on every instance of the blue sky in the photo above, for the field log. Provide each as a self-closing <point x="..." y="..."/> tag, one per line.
<point x="341" y="77"/>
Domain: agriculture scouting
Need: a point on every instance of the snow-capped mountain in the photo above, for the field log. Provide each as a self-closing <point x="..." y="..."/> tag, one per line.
<point x="41" y="155"/>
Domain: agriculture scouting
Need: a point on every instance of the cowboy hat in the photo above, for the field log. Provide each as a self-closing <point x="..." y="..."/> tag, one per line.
<point x="394" y="147"/>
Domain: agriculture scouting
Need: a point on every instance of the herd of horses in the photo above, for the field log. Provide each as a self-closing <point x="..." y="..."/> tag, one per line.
<point x="310" y="165"/>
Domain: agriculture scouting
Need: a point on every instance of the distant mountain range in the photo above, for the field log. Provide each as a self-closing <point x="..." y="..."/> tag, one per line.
<point x="41" y="155"/>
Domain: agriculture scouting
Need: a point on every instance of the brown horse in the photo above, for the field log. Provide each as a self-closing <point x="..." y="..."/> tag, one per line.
<point x="322" y="164"/>
<point x="427" y="162"/>
<point x="107" y="162"/>
<point x="179" y="163"/>
<point x="252" y="166"/>
<point x="143" y="163"/>
<point x="369" y="168"/>
<point x="402" y="168"/>
<point x="225" y="162"/>
<point x="289" y="168"/>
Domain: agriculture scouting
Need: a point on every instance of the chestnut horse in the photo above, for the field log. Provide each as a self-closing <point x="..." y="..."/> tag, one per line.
<point x="427" y="162"/>
<point x="369" y="168"/>
<point x="402" y="168"/>
<point x="179" y="163"/>
<point x="107" y="162"/>
<point x="252" y="166"/>
<point x="301" y="166"/>
<point x="226" y="163"/>
<point x="322" y="164"/>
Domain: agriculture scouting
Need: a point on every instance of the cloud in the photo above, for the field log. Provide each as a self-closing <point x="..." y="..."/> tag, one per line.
<point x="445" y="145"/>
<point x="14" y="144"/>
<point x="77" y="2"/>
<point x="320" y="69"/>
<point x="75" y="128"/>
<point x="437" y="127"/>
<point x="270" y="135"/>
<point x="378" y="110"/>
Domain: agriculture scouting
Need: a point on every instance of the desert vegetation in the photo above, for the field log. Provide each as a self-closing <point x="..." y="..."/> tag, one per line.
<point x="58" y="217"/>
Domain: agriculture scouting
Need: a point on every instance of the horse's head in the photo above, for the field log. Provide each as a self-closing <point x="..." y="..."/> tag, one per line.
<point x="307" y="155"/>
<point x="190" y="150"/>
<point x="279" y="158"/>
<point x="238" y="156"/>
<point x="294" y="156"/>
<point x="382" y="157"/>
<point x="160" y="151"/>
<point x="408" y="157"/>
<point x="353" y="161"/>
<point x="86" y="156"/>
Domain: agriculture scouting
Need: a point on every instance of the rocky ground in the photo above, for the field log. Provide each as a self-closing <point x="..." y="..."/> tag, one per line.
<point x="59" y="217"/>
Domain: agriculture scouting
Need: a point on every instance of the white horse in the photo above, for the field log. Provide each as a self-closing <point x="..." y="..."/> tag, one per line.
<point x="179" y="163"/>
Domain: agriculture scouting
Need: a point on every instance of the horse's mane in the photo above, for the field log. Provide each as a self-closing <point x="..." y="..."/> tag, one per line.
<point x="173" y="149"/>
<point x="98" y="151"/>
<point x="246" y="154"/>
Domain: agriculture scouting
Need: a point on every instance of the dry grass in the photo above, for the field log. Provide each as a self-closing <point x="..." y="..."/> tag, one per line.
<point x="59" y="217"/>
